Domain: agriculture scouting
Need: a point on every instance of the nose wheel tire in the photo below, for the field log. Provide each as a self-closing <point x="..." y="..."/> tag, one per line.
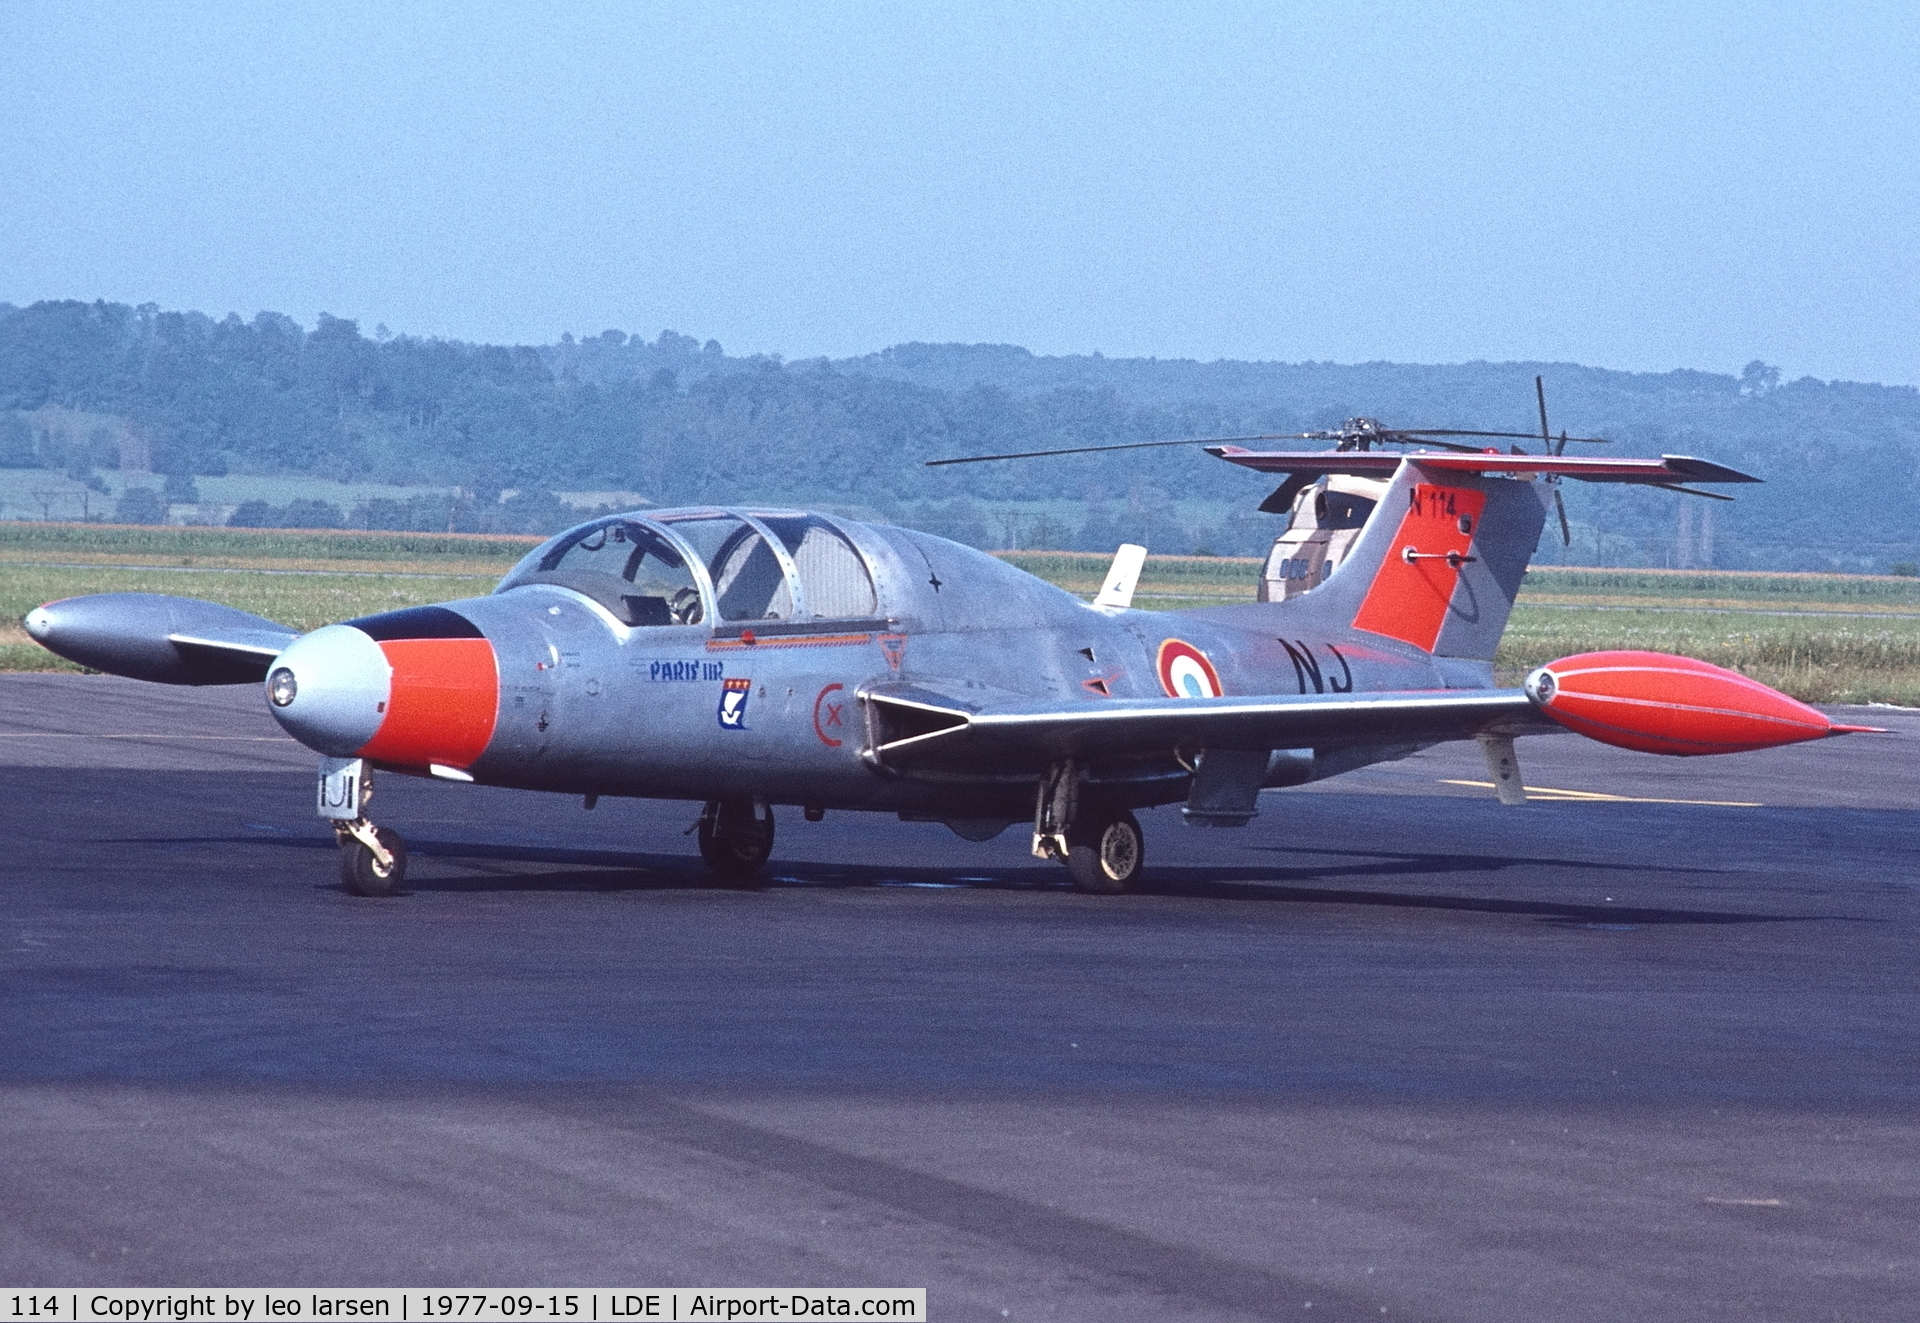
<point x="361" y="870"/>
<point x="1105" y="856"/>
<point x="736" y="836"/>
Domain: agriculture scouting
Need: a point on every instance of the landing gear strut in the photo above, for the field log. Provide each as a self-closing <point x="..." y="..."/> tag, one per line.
<point x="373" y="860"/>
<point x="736" y="836"/>
<point x="1101" y="847"/>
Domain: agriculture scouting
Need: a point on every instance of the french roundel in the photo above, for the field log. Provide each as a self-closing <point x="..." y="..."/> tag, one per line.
<point x="1185" y="671"/>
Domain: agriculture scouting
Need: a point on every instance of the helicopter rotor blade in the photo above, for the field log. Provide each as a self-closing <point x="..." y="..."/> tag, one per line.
<point x="1523" y="436"/>
<point x="1131" y="445"/>
<point x="1395" y="436"/>
<point x="1399" y="438"/>
<point x="1361" y="433"/>
<point x="1691" y="491"/>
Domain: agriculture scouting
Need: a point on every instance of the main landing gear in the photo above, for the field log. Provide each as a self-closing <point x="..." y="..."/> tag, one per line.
<point x="736" y="836"/>
<point x="1102" y="848"/>
<point x="1105" y="857"/>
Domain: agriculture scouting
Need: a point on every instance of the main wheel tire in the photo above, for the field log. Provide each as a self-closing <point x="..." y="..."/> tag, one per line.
<point x="734" y="840"/>
<point x="1105" y="857"/>
<point x="362" y="873"/>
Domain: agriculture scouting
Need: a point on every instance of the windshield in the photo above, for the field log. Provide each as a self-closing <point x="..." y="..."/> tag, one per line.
<point x="625" y="566"/>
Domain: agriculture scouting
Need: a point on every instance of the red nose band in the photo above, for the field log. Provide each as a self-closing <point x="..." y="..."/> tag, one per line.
<point x="441" y="708"/>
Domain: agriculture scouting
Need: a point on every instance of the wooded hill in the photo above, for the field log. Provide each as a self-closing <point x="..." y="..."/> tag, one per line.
<point x="683" y="422"/>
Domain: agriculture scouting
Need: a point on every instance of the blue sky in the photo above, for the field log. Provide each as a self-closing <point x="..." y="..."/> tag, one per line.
<point x="1641" y="186"/>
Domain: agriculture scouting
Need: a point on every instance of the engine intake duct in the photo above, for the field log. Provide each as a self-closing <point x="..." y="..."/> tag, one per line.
<point x="902" y="716"/>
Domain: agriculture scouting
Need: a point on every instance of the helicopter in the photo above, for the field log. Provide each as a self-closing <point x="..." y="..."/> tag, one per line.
<point x="1328" y="509"/>
<point x="749" y="658"/>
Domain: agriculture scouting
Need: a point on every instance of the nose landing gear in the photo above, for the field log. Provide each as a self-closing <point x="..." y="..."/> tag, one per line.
<point x="373" y="860"/>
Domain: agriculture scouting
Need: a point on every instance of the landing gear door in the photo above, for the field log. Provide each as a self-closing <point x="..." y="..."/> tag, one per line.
<point x="343" y="787"/>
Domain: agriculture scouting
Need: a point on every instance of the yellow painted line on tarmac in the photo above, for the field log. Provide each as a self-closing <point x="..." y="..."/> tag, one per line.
<point x="1595" y="797"/>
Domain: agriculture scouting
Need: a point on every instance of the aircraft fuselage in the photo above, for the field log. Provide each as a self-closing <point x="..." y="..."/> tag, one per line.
<point x="577" y="700"/>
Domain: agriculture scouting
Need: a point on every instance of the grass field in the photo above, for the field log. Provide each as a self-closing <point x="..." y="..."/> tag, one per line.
<point x="24" y="542"/>
<point x="1167" y="582"/>
<point x="1822" y="638"/>
<point x="302" y="579"/>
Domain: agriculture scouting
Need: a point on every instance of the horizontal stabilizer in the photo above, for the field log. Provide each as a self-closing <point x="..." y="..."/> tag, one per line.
<point x="1661" y="472"/>
<point x="168" y="640"/>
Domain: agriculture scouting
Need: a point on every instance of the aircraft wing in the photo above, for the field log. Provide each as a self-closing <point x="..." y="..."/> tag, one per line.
<point x="912" y="727"/>
<point x="169" y="640"/>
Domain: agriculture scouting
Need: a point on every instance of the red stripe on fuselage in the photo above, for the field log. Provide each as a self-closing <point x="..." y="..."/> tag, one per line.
<point x="442" y="705"/>
<point x="1408" y="600"/>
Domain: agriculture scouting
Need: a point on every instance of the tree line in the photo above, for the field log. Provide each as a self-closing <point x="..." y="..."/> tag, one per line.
<point x="680" y="420"/>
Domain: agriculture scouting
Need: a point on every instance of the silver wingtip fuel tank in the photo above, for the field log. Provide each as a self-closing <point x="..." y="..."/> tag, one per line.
<point x="166" y="640"/>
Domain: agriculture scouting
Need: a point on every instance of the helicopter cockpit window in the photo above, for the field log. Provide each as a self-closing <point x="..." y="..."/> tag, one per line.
<point x="627" y="568"/>
<point x="1343" y="509"/>
<point x="834" y="582"/>
<point x="747" y="576"/>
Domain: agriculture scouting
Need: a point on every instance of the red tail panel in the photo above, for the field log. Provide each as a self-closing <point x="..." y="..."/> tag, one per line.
<point x="1409" y="596"/>
<point x="441" y="709"/>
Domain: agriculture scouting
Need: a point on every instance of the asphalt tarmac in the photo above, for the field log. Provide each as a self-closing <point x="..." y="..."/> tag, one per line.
<point x="1394" y="1050"/>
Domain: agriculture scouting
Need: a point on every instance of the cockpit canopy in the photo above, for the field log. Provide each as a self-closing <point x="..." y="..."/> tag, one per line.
<point x="691" y="567"/>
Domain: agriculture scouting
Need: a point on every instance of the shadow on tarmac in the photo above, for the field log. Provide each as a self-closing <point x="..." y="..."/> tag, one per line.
<point x="611" y="871"/>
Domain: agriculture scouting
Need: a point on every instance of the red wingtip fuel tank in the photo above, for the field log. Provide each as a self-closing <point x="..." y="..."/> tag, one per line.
<point x="1658" y="703"/>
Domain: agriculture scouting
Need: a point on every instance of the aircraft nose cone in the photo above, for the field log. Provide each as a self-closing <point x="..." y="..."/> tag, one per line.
<point x="40" y="622"/>
<point x="330" y="690"/>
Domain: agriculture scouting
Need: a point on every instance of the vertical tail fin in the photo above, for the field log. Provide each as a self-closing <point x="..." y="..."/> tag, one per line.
<point x="1440" y="561"/>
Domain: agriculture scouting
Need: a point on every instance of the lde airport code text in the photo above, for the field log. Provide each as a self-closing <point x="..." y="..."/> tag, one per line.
<point x="667" y="1305"/>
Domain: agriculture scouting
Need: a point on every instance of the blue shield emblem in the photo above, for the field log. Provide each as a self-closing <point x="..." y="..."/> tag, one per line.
<point x="734" y="694"/>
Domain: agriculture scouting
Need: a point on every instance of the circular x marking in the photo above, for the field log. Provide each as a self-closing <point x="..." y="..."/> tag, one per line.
<point x="829" y="714"/>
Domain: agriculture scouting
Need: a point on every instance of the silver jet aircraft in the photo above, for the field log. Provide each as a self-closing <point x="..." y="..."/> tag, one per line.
<point x="753" y="658"/>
